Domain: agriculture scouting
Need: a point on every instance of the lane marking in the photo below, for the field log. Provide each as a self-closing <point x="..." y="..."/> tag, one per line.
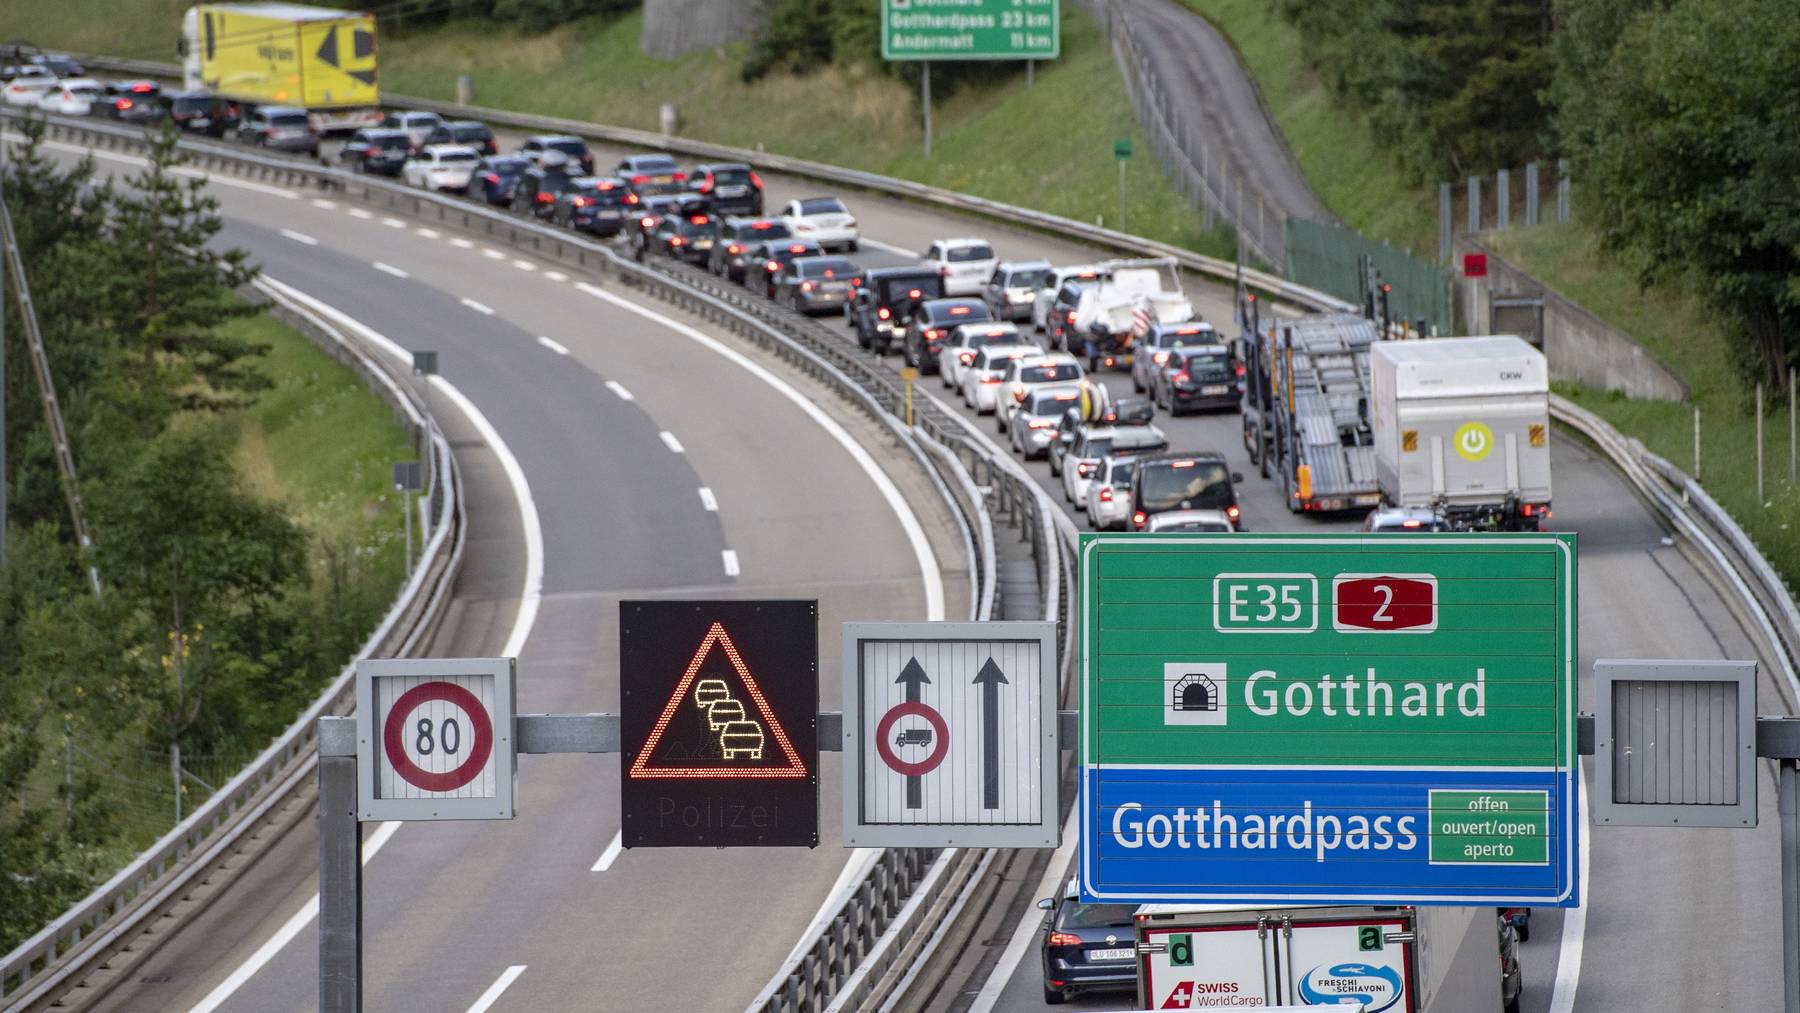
<point x="180" y="170"/>
<point x="530" y="599"/>
<point x="929" y="575"/>
<point x="708" y="500"/>
<point x="670" y="441"/>
<point x="556" y="276"/>
<point x="390" y="269"/>
<point x="492" y="254"/>
<point x="360" y="213"/>
<point x="611" y="854"/>
<point x="492" y="995"/>
<point x="393" y="223"/>
<point x="731" y="561"/>
<point x="323" y="204"/>
<point x="481" y="308"/>
<point x="524" y="265"/>
<point x="289" y="929"/>
<point x="1026" y="932"/>
<point x="460" y="243"/>
<point x="1568" y="957"/>
<point x="300" y="237"/>
<point x="425" y="233"/>
<point x="618" y="388"/>
<point x="888" y="247"/>
<point x="552" y="345"/>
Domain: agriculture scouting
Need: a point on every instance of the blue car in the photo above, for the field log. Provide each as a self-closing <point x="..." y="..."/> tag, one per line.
<point x="494" y="179"/>
<point x="1087" y="947"/>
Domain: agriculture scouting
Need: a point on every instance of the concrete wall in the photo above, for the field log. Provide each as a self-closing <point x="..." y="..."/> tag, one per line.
<point x="676" y="27"/>
<point x="1580" y="346"/>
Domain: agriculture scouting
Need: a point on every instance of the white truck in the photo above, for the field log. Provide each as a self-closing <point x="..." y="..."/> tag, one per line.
<point x="1387" y="959"/>
<point x="1117" y="310"/>
<point x="1462" y="427"/>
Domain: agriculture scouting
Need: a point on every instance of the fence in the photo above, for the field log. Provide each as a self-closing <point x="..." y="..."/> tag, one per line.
<point x="1340" y="261"/>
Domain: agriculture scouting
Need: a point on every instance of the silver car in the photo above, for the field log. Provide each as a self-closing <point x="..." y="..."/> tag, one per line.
<point x="967" y="339"/>
<point x="417" y="125"/>
<point x="1109" y="494"/>
<point x="1014" y="286"/>
<point x="1153" y="350"/>
<point x="981" y="380"/>
<point x="1035" y="424"/>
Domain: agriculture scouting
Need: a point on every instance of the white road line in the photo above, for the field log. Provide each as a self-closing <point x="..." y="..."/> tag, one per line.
<point x="425" y="233"/>
<point x="180" y="170"/>
<point x="284" y="935"/>
<point x="1568" y="957"/>
<point x="300" y="237"/>
<point x="618" y="388"/>
<point x="708" y="500"/>
<point x="670" y="441"/>
<point x="552" y="345"/>
<point x="492" y="995"/>
<point x="492" y="254"/>
<point x="393" y="223"/>
<point x="1025" y="933"/>
<point x="530" y="599"/>
<point x="524" y="265"/>
<point x="360" y="213"/>
<point x="460" y="243"/>
<point x="731" y="561"/>
<point x="556" y="276"/>
<point x="888" y="247"/>
<point x="929" y="575"/>
<point x="322" y="203"/>
<point x="481" y="308"/>
<point x="390" y="269"/>
<point x="611" y="854"/>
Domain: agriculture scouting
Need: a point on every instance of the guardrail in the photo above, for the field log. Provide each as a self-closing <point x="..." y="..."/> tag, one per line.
<point x="52" y="959"/>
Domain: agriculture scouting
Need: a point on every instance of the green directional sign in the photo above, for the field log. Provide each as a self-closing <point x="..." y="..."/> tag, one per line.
<point x="1329" y="717"/>
<point x="970" y="30"/>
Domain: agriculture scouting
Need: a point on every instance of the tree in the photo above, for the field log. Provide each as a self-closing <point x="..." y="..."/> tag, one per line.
<point x="1690" y="150"/>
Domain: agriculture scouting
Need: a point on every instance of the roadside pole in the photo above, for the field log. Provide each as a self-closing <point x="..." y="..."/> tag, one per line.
<point x="907" y="375"/>
<point x="1122" y="152"/>
<point x="925" y="101"/>
<point x="2" y="371"/>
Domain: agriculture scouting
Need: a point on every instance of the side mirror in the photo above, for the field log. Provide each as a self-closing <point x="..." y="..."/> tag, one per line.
<point x="1237" y="476"/>
<point x="1046" y="904"/>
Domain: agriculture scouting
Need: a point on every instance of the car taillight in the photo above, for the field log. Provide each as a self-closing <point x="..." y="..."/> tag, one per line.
<point x="1409" y="524"/>
<point x="1231" y="512"/>
<point x="492" y="148"/>
<point x="631" y="198"/>
<point x="677" y="241"/>
<point x="1182" y="378"/>
<point x="966" y="357"/>
<point x="648" y="221"/>
<point x="582" y="202"/>
<point x="1019" y="395"/>
<point x="755" y="180"/>
<point x="1064" y="939"/>
<point x="680" y="177"/>
<point x="640" y="179"/>
<point x="492" y="177"/>
<point x="1082" y="469"/>
<point x="883" y="313"/>
<point x="772" y="266"/>
<point x="1039" y="424"/>
<point x="124" y="103"/>
<point x="1160" y="357"/>
<point x="706" y="185"/>
<point x="806" y="286"/>
<point x="546" y="198"/>
<point x="932" y="334"/>
<point x="1240" y="369"/>
<point x="1106" y="494"/>
<point x="1071" y="316"/>
<point x="1139" y="519"/>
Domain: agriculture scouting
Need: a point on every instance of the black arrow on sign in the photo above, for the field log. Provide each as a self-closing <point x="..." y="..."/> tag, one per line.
<point x="990" y="679"/>
<point x="912" y="677"/>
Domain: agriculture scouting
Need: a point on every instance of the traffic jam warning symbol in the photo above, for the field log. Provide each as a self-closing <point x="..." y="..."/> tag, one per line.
<point x="949" y="735"/>
<point x="718" y="722"/>
<point x="435" y="738"/>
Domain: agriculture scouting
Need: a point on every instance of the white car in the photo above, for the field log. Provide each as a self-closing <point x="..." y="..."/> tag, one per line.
<point x="824" y="220"/>
<point x="1109" y="494"/>
<point x="962" y="344"/>
<point x="442" y="167"/>
<point x="29" y="87"/>
<point x="964" y="264"/>
<point x="1189" y="520"/>
<point x="1040" y="304"/>
<point x="981" y="380"/>
<point x="1086" y="457"/>
<point x="71" y="97"/>
<point x="1027" y="374"/>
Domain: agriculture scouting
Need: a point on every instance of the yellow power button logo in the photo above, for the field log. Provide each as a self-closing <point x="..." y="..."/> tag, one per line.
<point x="1474" y="441"/>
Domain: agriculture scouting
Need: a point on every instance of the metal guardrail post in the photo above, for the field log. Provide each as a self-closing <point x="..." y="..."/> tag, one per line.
<point x="340" y="870"/>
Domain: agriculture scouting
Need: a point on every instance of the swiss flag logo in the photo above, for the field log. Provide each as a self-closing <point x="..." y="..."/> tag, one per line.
<point x="1384" y="603"/>
<point x="1181" y="998"/>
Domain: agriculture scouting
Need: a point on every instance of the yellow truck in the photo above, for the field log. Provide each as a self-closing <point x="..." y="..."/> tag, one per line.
<point x="280" y="54"/>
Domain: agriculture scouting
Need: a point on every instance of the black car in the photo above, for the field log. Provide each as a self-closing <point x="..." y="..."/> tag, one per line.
<point x="536" y="190"/>
<point x="1166" y="482"/>
<point x="132" y="101"/>
<point x="573" y="148"/>
<point x="648" y="213"/>
<point x="925" y="336"/>
<point x="651" y="175"/>
<point x="736" y="237"/>
<point x="685" y="233"/>
<point x="494" y="179"/>
<point x="1196" y="376"/>
<point x="772" y="257"/>
<point x="377" y="149"/>
<point x="733" y="187"/>
<point x="598" y="206"/>
<point x="886" y="301"/>
<point x="1058" y="322"/>
<point x="202" y="112"/>
<point x="1087" y="947"/>
<point x="817" y="284"/>
<point x="474" y="133"/>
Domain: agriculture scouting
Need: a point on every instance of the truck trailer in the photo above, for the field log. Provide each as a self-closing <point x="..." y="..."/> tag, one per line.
<point x="1462" y="427"/>
<point x="281" y="54"/>
<point x="1306" y="405"/>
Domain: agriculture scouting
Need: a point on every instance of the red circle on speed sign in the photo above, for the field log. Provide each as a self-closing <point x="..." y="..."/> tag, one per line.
<point x="938" y="749"/>
<point x="393" y="737"/>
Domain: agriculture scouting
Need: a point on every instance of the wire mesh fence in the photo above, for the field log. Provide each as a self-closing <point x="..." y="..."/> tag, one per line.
<point x="1342" y="262"/>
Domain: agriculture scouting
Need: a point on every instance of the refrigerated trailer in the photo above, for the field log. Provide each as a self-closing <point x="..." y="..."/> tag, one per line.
<point x="1462" y="427"/>
<point x="1389" y="959"/>
<point x="1306" y="405"/>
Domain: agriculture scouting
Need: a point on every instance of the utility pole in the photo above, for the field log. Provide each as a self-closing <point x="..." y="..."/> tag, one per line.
<point x="3" y="485"/>
<point x="925" y="100"/>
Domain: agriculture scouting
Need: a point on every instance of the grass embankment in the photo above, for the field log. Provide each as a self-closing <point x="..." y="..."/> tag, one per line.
<point x="1679" y="330"/>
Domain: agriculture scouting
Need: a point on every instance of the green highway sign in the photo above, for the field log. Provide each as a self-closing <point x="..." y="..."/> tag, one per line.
<point x="1122" y="148"/>
<point x="1324" y="717"/>
<point x="970" y="30"/>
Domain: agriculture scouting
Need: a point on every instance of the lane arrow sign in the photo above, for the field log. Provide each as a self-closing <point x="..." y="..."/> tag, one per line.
<point x="912" y="677"/>
<point x="990" y="679"/>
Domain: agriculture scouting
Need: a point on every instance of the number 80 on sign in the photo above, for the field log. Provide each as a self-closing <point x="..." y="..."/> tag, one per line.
<point x="435" y="738"/>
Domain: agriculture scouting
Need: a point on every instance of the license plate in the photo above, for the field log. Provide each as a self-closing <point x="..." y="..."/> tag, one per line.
<point x="660" y="180"/>
<point x="703" y="244"/>
<point x="731" y="191"/>
<point x="1210" y="391"/>
<point x="609" y="213"/>
<point x="1123" y="953"/>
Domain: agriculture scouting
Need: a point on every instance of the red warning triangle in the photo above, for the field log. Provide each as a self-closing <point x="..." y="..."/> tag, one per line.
<point x="717" y="768"/>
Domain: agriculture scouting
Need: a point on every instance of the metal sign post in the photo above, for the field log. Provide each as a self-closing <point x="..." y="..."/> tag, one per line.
<point x="974" y="30"/>
<point x="1327" y="718"/>
<point x="1122" y="153"/>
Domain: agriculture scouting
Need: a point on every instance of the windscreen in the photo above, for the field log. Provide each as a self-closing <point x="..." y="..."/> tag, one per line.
<point x="184" y="106"/>
<point x="287" y="120"/>
<point x="827" y="267"/>
<point x="1121" y="473"/>
<point x="1095" y="916"/>
<point x="1030" y="278"/>
<point x="1099" y="447"/>
<point x="571" y="146"/>
<point x="977" y="251"/>
<point x="1187" y="485"/>
<point x="508" y="166"/>
<point x="1206" y="362"/>
<point x="458" y="156"/>
<point x="1051" y="404"/>
<point x="390" y="141"/>
<point x="471" y="132"/>
<point x="1051" y="372"/>
<point x="822" y="206"/>
<point x="767" y="230"/>
<point x="731" y="176"/>
<point x="654" y="164"/>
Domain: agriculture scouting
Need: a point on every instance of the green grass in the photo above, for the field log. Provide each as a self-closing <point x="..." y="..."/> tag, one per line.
<point x="1342" y="159"/>
<point x="1677" y="328"/>
<point x="135" y="29"/>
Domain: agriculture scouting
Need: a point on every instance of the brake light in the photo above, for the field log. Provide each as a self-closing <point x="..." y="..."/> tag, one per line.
<point x="932" y="334"/>
<point x="1082" y="469"/>
<point x="706" y="185"/>
<point x="959" y="311"/>
<point x="755" y="180"/>
<point x="677" y="241"/>
<point x="142" y="87"/>
<point x="1240" y="369"/>
<point x="680" y="177"/>
<point x="1039" y="424"/>
<point x="883" y="313"/>
<point x="1160" y="357"/>
<point x="1064" y="939"/>
<point x="912" y="293"/>
<point x="1181" y="464"/>
<point x="1019" y="395"/>
<point x="734" y="249"/>
<point x="125" y="103"/>
<point x="966" y="358"/>
<point x="1106" y="494"/>
<point x="797" y="248"/>
<point x="640" y="179"/>
<point x="582" y="202"/>
<point x="1139" y="519"/>
<point x="763" y="226"/>
<point x="1409" y="524"/>
<point x="632" y="198"/>
<point x="492" y="177"/>
<point x="545" y="198"/>
<point x="772" y="266"/>
<point x="1071" y="316"/>
<point x="1231" y="512"/>
<point x="944" y="272"/>
<point x="806" y="286"/>
<point x="1182" y="377"/>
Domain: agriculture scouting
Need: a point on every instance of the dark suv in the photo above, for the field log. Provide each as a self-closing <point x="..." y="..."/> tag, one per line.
<point x="202" y="112"/>
<point x="376" y="149"/>
<point x="537" y="189"/>
<point x="733" y="187"/>
<point x="932" y="323"/>
<point x="886" y="301"/>
<point x="596" y="206"/>
<point x="731" y="253"/>
<point x="688" y="235"/>
<point x="474" y="133"/>
<point x="1167" y="482"/>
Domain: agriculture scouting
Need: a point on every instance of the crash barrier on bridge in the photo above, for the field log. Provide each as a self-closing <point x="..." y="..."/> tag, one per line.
<point x="59" y="956"/>
<point x="1341" y="261"/>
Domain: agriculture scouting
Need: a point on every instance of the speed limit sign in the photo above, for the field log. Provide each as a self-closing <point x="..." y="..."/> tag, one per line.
<point x="434" y="739"/>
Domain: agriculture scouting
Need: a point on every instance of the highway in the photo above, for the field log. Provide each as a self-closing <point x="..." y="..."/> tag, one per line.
<point x="1670" y="918"/>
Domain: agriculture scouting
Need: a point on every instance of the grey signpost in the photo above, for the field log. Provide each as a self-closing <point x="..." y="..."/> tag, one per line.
<point x="408" y="479"/>
<point x="1122" y="153"/>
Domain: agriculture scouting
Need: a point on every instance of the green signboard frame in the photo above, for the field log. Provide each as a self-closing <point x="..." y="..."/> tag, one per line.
<point x="971" y="29"/>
